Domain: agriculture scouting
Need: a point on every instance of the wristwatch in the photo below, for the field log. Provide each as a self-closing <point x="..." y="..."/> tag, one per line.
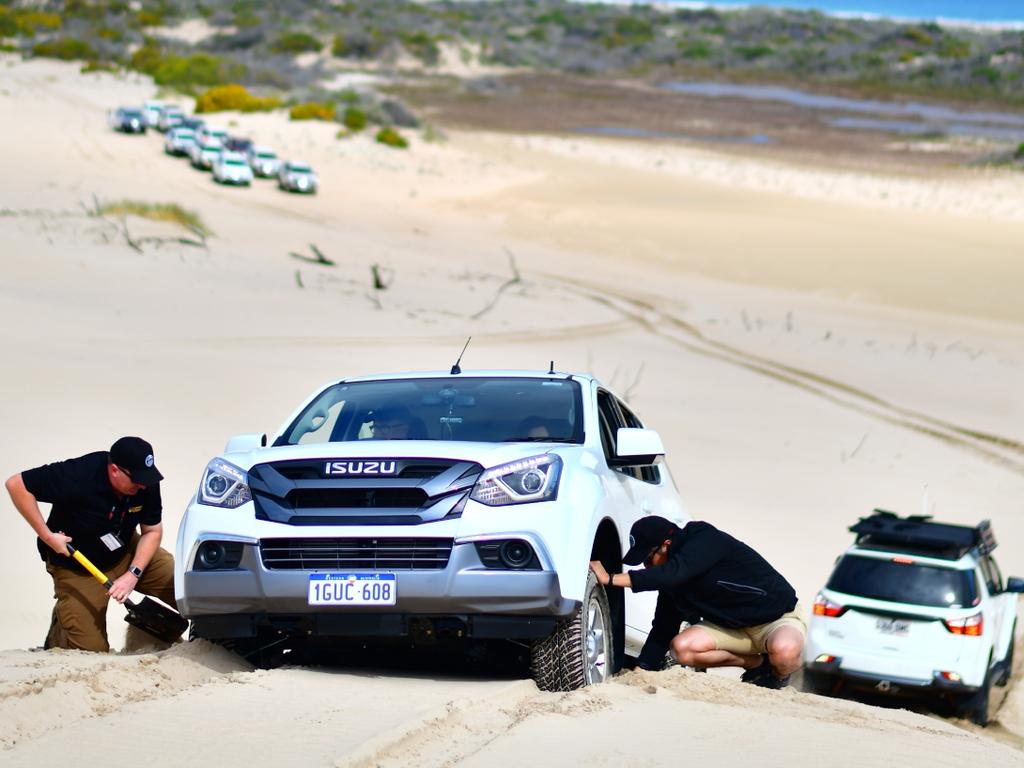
<point x="135" y="571"/>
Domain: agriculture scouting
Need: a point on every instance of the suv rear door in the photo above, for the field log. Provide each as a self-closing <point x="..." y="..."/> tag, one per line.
<point x="893" y="608"/>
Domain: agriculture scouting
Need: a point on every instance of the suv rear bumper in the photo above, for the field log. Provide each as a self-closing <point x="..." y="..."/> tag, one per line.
<point x="887" y="684"/>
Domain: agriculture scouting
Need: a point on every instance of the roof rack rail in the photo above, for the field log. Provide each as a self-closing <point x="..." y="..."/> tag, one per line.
<point x="886" y="530"/>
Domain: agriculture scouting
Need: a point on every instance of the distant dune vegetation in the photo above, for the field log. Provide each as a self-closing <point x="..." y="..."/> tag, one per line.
<point x="259" y="44"/>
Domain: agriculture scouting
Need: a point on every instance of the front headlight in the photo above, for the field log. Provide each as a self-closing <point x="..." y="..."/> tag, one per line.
<point x="519" y="482"/>
<point x="224" y="485"/>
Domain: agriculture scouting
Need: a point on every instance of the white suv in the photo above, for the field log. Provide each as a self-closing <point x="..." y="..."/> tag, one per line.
<point x="915" y="607"/>
<point x="427" y="506"/>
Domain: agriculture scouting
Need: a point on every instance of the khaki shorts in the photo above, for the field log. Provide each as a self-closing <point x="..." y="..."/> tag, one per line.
<point x="751" y="640"/>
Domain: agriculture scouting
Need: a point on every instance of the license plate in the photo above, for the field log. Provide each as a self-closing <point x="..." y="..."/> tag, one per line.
<point x="352" y="589"/>
<point x="893" y="626"/>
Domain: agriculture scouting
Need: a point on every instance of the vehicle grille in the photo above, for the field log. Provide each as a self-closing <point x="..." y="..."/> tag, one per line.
<point x="392" y="554"/>
<point x="338" y="492"/>
<point x="357" y="498"/>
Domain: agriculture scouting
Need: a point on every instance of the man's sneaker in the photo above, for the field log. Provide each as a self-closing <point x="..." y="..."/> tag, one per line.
<point x="763" y="676"/>
<point x="755" y="674"/>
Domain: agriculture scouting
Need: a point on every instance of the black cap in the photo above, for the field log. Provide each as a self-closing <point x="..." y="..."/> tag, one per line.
<point x="136" y="455"/>
<point x="647" y="534"/>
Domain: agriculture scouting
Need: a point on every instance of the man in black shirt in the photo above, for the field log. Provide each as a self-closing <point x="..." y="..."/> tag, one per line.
<point x="742" y="611"/>
<point x="98" y="500"/>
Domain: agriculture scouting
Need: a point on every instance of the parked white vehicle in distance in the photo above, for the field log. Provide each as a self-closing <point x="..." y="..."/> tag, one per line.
<point x="179" y="141"/>
<point x="207" y="132"/>
<point x="151" y="109"/>
<point x="170" y="116"/>
<point x="296" y="176"/>
<point x="915" y="608"/>
<point x="431" y="505"/>
<point x="231" y="168"/>
<point x="263" y="161"/>
<point x="205" y="153"/>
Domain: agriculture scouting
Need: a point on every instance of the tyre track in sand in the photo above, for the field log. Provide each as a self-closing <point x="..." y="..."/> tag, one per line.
<point x="658" y="319"/>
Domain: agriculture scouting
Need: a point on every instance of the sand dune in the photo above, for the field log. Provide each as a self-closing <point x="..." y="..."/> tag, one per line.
<point x="809" y="346"/>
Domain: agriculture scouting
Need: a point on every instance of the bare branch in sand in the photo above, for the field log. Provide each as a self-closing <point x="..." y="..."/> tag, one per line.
<point x="317" y="257"/>
<point x="843" y="456"/>
<point x="379" y="283"/>
<point x="516" y="279"/>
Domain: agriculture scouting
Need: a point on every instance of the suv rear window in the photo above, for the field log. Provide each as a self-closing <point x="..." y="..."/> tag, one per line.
<point x="901" y="582"/>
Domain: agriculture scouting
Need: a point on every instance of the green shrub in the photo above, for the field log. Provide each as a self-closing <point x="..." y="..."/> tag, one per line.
<point x="245" y="19"/>
<point x="422" y="46"/>
<point x="225" y="97"/>
<point x="98" y="66"/>
<point x="296" y="42"/>
<point x="198" y="70"/>
<point x="66" y="48"/>
<point x="917" y="36"/>
<point x="754" y="52"/>
<point x="110" y="33"/>
<point x="8" y="23"/>
<point x="354" y="119"/>
<point x="695" y="49"/>
<point x="147" y="58"/>
<point x="989" y="74"/>
<point x="1019" y="154"/>
<point x="25" y="23"/>
<point x="311" y="110"/>
<point x="389" y="137"/>
<point x="358" y="46"/>
<point x="149" y="18"/>
<point x="954" y="48"/>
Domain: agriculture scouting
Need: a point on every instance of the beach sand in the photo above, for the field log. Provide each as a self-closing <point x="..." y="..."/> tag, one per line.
<point x="811" y="342"/>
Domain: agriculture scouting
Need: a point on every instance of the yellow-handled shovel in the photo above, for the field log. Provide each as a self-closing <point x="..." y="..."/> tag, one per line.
<point x="148" y="615"/>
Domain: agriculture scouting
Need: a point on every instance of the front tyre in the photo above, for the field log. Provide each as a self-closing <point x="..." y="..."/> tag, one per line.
<point x="579" y="651"/>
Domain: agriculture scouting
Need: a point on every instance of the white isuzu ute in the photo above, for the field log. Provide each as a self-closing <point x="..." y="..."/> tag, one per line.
<point x="463" y="505"/>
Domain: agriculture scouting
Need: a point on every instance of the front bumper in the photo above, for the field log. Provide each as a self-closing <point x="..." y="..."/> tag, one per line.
<point x="242" y="599"/>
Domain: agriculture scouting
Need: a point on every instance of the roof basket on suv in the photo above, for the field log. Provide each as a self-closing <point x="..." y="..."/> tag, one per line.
<point x="917" y="534"/>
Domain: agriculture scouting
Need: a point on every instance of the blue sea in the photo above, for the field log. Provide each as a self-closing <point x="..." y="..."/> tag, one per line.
<point x="995" y="12"/>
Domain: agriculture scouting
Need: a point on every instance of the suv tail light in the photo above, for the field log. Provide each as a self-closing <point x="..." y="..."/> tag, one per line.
<point x="971" y="625"/>
<point x="825" y="607"/>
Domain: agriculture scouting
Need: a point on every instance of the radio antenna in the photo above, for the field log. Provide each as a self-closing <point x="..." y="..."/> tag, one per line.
<point x="455" y="368"/>
<point x="552" y="368"/>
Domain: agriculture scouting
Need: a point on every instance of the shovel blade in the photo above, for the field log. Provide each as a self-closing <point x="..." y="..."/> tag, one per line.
<point x="158" y="620"/>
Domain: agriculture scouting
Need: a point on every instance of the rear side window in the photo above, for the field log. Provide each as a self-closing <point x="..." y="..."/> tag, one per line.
<point x="901" y="582"/>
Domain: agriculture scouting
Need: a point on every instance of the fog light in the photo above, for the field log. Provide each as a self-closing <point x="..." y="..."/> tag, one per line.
<point x="211" y="555"/>
<point x="515" y="553"/>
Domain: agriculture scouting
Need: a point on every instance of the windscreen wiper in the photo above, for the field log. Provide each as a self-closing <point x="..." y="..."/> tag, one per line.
<point x="538" y="440"/>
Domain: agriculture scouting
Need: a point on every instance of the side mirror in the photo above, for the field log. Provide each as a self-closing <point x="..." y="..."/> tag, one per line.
<point x="1014" y="584"/>
<point x="637" y="447"/>
<point x="245" y="443"/>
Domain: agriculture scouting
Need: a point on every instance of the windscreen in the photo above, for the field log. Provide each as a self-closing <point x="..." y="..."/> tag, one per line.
<point x="903" y="582"/>
<point x="491" y="410"/>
